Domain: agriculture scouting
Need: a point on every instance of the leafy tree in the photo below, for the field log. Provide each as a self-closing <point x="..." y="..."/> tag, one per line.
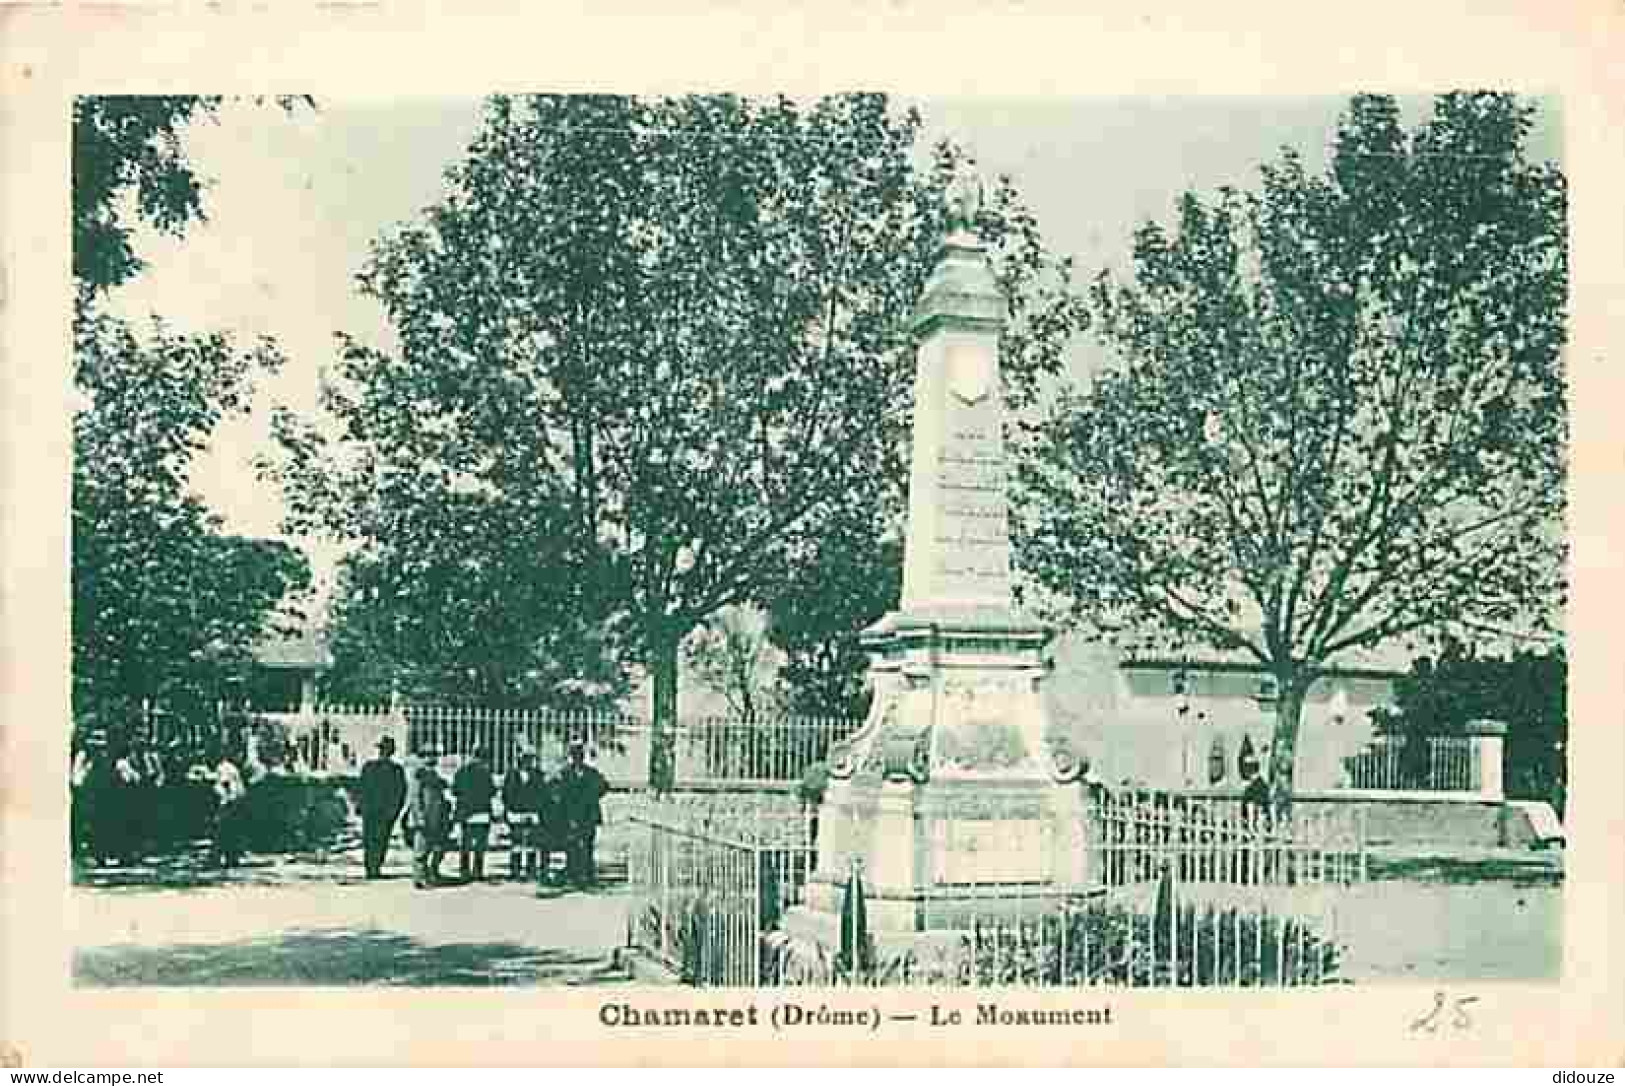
<point x="166" y="605"/>
<point x="731" y="654"/>
<point x="129" y="154"/>
<point x="1338" y="416"/>
<point x="464" y="608"/>
<point x="1527" y="690"/>
<point x="130" y="145"/>
<point x="852" y="582"/>
<point x="680" y="320"/>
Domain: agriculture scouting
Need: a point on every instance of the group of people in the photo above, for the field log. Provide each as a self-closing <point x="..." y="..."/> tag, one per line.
<point x="125" y="793"/>
<point x="545" y="814"/>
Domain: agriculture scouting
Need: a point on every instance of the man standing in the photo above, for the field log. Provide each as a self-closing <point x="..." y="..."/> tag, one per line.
<point x="581" y="790"/>
<point x="553" y="832"/>
<point x="229" y="791"/>
<point x="151" y="825"/>
<point x="522" y="800"/>
<point x="123" y="827"/>
<point x="431" y="818"/>
<point x="92" y="780"/>
<point x="383" y="794"/>
<point x="473" y="788"/>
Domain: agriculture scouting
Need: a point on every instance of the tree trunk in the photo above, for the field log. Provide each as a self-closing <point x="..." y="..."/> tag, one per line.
<point x="662" y="729"/>
<point x="1292" y="688"/>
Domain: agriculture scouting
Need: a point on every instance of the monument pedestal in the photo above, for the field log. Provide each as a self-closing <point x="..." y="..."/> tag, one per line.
<point x="951" y="803"/>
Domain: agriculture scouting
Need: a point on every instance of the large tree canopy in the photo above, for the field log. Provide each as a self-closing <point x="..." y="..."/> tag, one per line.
<point x="1338" y="412"/>
<point x="681" y="323"/>
<point x="454" y="616"/>
<point x="165" y="603"/>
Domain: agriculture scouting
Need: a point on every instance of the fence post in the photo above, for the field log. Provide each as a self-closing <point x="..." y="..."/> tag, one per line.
<point x="1488" y="738"/>
<point x="753" y="914"/>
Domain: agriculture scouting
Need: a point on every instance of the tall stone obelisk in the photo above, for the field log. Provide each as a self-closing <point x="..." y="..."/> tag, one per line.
<point x="951" y="787"/>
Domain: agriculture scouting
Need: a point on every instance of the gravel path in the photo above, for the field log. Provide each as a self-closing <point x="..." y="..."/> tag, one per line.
<point x="313" y="920"/>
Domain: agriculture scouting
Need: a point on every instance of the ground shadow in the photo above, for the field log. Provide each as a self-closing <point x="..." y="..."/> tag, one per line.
<point x="333" y="957"/>
<point x="193" y="866"/>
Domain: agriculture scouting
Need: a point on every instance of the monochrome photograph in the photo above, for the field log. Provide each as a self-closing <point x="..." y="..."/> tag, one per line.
<point x="656" y="543"/>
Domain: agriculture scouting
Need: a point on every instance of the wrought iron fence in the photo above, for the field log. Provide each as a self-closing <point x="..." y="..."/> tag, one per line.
<point x="708" y="750"/>
<point x="1221" y="841"/>
<point x="710" y="878"/>
<point x="1174" y="897"/>
<point x="1434" y="763"/>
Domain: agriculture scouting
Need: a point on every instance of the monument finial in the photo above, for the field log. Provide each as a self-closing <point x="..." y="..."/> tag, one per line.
<point x="964" y="199"/>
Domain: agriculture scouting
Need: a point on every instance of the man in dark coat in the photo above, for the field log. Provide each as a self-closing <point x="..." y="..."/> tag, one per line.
<point x="149" y="826"/>
<point x="523" y="791"/>
<point x="383" y="794"/>
<point x="121" y="818"/>
<point x="473" y="788"/>
<point x="1255" y="792"/>
<point x="431" y="818"/>
<point x="552" y="832"/>
<point x="581" y="790"/>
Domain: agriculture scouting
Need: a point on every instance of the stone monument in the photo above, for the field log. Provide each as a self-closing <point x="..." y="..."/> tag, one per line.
<point x="951" y="799"/>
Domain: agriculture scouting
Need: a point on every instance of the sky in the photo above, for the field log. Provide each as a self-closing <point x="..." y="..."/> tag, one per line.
<point x="295" y="200"/>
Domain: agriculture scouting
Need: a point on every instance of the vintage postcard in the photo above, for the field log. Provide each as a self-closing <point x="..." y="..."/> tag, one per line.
<point x="917" y="536"/>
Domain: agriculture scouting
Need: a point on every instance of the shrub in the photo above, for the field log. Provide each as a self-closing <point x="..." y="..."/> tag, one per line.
<point x="1100" y="943"/>
<point x="284" y="813"/>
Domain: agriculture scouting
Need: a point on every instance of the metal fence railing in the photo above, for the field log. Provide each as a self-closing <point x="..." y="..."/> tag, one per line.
<point x="1435" y="763"/>
<point x="1159" y="940"/>
<point x="705" y="750"/>
<point x="1174" y="897"/>
<point x="709" y="881"/>
<point x="1130" y="838"/>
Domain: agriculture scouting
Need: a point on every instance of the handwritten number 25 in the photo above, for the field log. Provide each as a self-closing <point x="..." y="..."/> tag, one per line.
<point x="1458" y="1016"/>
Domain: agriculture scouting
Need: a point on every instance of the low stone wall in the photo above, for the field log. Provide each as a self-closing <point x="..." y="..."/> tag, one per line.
<point x="1450" y="819"/>
<point x="1420" y="818"/>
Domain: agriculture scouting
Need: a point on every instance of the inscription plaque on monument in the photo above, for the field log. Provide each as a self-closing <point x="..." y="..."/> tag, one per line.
<point x="979" y="851"/>
<point x="959" y="535"/>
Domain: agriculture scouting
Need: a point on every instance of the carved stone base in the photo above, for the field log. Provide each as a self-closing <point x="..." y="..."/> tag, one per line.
<point x="952" y="801"/>
<point x="931" y="854"/>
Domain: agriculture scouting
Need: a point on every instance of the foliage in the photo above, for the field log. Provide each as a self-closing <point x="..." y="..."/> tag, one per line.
<point x="129" y="155"/>
<point x="730" y="654"/>
<point x="663" y="339"/>
<point x="853" y="581"/>
<point x="165" y="604"/>
<point x="1338" y="416"/>
<point x="274" y="744"/>
<point x="282" y="813"/>
<point x="466" y="607"/>
<point x="1527" y="690"/>
<point x="128" y="149"/>
<point x="1195" y="944"/>
<point x="813" y="784"/>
